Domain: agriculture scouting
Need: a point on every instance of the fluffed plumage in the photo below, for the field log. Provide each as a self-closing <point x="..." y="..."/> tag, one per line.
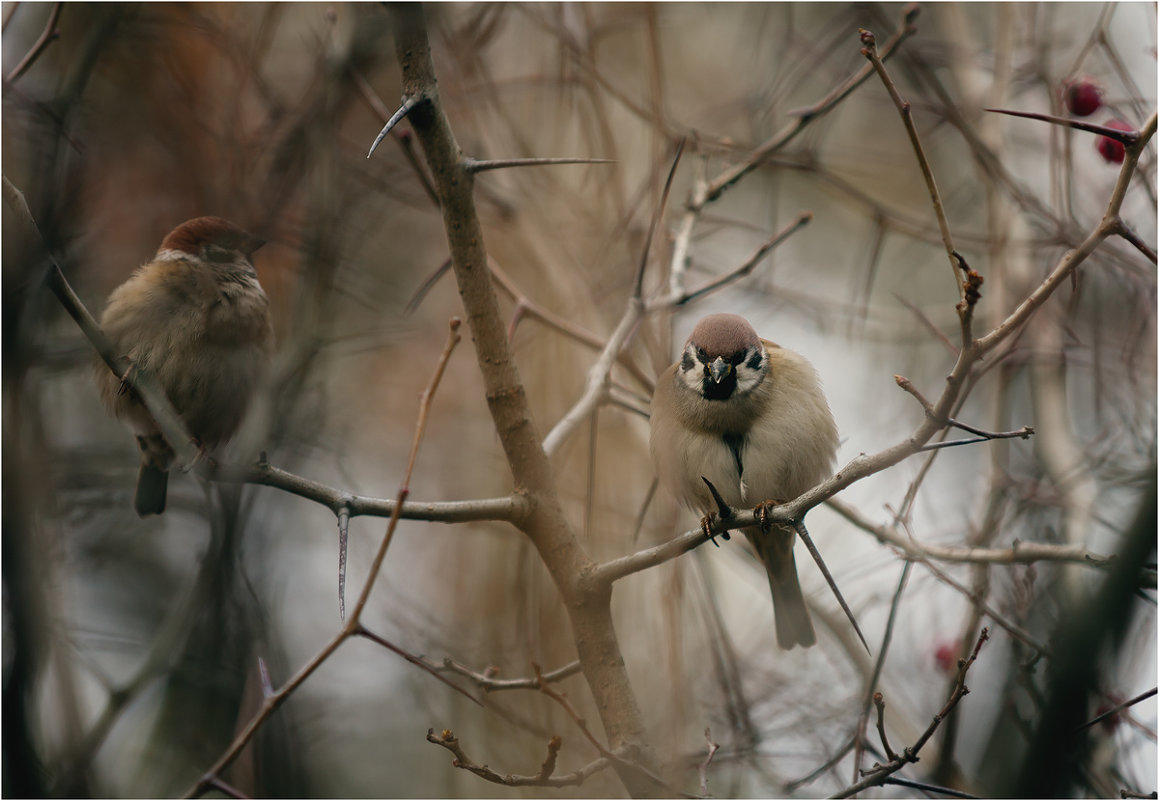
<point x="196" y="318"/>
<point x="749" y="416"/>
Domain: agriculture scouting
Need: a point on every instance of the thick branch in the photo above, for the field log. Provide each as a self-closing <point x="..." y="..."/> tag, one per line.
<point x="588" y="604"/>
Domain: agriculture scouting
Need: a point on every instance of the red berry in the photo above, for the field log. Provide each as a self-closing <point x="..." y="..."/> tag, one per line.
<point x="1082" y="96"/>
<point x="946" y="657"/>
<point x="1110" y="149"/>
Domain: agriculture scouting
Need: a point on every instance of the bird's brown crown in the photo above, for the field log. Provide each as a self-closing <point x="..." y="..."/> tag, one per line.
<point x="723" y="334"/>
<point x="192" y="235"/>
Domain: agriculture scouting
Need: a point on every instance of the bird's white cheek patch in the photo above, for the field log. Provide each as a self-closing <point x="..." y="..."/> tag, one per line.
<point x="744" y="491"/>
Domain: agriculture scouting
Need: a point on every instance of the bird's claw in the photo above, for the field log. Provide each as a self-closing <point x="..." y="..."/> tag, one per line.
<point x="762" y="511"/>
<point x="706" y="529"/>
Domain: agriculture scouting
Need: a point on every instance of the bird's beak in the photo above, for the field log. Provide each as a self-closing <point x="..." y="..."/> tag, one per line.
<point x="719" y="369"/>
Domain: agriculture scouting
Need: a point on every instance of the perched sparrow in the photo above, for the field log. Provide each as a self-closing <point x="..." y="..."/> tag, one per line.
<point x="749" y="416"/>
<point x="197" y="320"/>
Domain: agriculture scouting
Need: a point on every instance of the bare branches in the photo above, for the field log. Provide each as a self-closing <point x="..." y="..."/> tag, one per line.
<point x="47" y="37"/>
<point x="588" y="604"/>
<point x="353" y="626"/>
<point x="657" y="216"/>
<point x="598" y="377"/>
<point x="137" y="379"/>
<point x="544" y="778"/>
<point x="870" y="52"/>
<point x="1018" y="553"/>
<point x="508" y="509"/>
<point x="877" y="775"/>
<point x="1118" y="134"/>
<point x="879" y="705"/>
<point x="873" y="696"/>
<point x="982" y="436"/>
<point x="804" y="116"/>
<point x="1109" y="225"/>
<point x="488" y="681"/>
<point x="744" y="270"/>
<point x="417" y="661"/>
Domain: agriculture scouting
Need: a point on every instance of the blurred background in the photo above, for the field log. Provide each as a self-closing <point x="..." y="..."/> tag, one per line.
<point x="131" y="647"/>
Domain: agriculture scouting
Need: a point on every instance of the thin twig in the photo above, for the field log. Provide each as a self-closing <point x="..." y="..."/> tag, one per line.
<point x="1126" y="233"/>
<point x="352" y="626"/>
<point x="802" y="219"/>
<point x="417" y="661"/>
<point x="805" y="116"/>
<point x="924" y="319"/>
<point x="878" y="665"/>
<point x="139" y="379"/>
<point x="478" y="166"/>
<point x="661" y="207"/>
<point x="47" y="37"/>
<point x="1018" y="553"/>
<point x="1108" y="226"/>
<point x="879" y="705"/>
<point x="1119" y="135"/>
<point x="877" y="775"/>
<point x="225" y="788"/>
<point x="487" y="682"/>
<point x="1022" y="433"/>
<point x="1119" y="708"/>
<point x="926" y="787"/>
<point x="529" y="308"/>
<point x="447" y="740"/>
<point x="561" y="699"/>
<point x="544" y="687"/>
<point x="869" y="50"/>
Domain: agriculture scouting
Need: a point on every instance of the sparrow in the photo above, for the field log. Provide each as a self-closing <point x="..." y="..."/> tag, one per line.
<point x="749" y="416"/>
<point x="196" y="318"/>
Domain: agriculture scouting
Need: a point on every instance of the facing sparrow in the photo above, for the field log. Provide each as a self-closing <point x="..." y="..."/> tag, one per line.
<point x="749" y="416"/>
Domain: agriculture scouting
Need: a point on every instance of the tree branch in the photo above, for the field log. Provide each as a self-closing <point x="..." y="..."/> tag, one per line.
<point x="588" y="604"/>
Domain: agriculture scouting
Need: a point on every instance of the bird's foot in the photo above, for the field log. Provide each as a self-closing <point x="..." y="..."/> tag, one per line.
<point x="706" y="529"/>
<point x="724" y="514"/>
<point x="762" y="512"/>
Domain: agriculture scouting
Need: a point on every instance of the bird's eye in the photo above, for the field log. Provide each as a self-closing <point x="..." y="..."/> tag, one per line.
<point x="702" y="354"/>
<point x="737" y="358"/>
<point x="217" y="253"/>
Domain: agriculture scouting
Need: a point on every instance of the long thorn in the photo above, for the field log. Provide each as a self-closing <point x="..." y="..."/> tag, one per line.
<point x="395" y="119"/>
<point x="1126" y="137"/>
<point x="723" y="508"/>
<point x="803" y="533"/>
